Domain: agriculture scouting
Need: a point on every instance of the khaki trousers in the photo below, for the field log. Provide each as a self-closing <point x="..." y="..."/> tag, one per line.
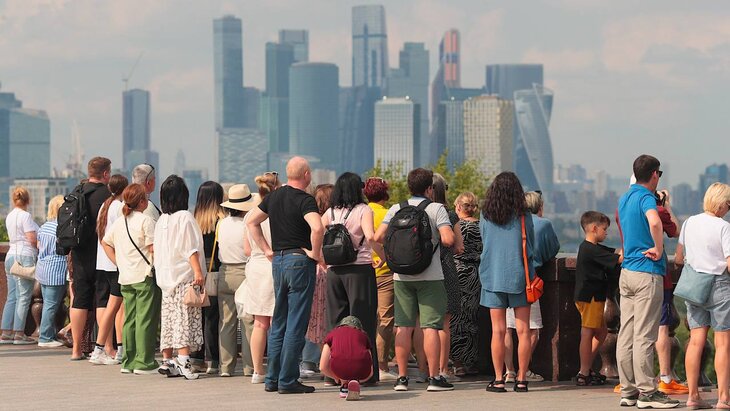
<point x="384" y="337"/>
<point x="641" y="307"/>
<point x="230" y="277"/>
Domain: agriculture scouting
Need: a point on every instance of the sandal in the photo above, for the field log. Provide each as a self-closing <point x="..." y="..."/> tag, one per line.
<point x="583" y="380"/>
<point x="597" y="378"/>
<point x="492" y="386"/>
<point x="698" y="404"/>
<point x="520" y="386"/>
<point x="510" y="377"/>
<point x="722" y="405"/>
<point x="460" y="371"/>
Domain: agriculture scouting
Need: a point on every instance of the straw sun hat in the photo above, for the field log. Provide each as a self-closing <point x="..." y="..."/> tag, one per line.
<point x="240" y="198"/>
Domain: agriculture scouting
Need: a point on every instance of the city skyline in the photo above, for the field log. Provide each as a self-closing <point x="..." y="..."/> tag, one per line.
<point x="647" y="95"/>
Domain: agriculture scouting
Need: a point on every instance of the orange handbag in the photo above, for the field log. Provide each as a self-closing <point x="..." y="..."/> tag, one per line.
<point x="533" y="288"/>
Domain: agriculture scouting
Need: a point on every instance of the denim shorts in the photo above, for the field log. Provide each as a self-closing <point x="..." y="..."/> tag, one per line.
<point x="715" y="312"/>
<point x="497" y="299"/>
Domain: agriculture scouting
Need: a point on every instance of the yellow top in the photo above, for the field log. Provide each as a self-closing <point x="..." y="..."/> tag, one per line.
<point x="378" y="216"/>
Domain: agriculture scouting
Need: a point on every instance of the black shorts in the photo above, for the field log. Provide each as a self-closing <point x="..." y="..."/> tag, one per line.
<point x="83" y="279"/>
<point x="107" y="283"/>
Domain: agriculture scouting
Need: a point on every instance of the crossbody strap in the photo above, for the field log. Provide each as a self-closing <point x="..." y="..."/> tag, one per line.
<point x="215" y="243"/>
<point x="344" y="220"/>
<point x="524" y="251"/>
<point x="135" y="244"/>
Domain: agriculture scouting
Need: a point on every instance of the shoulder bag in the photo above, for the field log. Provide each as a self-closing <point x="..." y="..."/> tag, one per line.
<point x="18" y="270"/>
<point x="211" y="278"/>
<point x="534" y="288"/>
<point x="693" y="286"/>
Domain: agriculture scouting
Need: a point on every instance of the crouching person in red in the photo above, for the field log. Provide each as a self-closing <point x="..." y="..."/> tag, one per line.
<point x="346" y="357"/>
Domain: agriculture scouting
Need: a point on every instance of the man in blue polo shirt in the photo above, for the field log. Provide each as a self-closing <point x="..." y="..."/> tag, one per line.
<point x="641" y="288"/>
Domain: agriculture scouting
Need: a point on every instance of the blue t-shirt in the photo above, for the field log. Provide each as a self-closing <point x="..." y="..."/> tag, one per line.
<point x="502" y="267"/>
<point x="632" y="208"/>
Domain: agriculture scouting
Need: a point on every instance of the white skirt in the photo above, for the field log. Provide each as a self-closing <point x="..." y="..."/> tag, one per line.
<point x="258" y="287"/>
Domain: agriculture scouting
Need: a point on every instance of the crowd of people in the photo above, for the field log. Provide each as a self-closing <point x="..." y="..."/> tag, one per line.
<point x="288" y="264"/>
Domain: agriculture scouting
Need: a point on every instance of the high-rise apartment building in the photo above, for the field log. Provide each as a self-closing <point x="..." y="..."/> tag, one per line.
<point x="41" y="191"/>
<point x="357" y="116"/>
<point x="533" y="108"/>
<point x="397" y="133"/>
<point x="411" y="80"/>
<point x="504" y="80"/>
<point x="313" y="111"/>
<point x="448" y="134"/>
<point x="488" y="133"/>
<point x="228" y="72"/>
<point x="241" y="155"/>
<point x="369" y="46"/>
<point x="25" y="140"/>
<point x="299" y="39"/>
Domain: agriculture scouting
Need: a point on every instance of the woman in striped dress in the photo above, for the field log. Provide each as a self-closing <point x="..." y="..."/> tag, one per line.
<point x="51" y="274"/>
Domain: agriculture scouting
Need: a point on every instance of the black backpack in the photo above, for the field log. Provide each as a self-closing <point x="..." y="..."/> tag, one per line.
<point x="337" y="246"/>
<point x="74" y="225"/>
<point x="408" y="240"/>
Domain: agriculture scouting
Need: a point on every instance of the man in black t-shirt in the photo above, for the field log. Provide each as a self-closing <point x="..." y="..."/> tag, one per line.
<point x="296" y="248"/>
<point x="83" y="257"/>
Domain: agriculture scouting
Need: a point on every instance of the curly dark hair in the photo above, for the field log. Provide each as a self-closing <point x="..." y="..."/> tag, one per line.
<point x="348" y="191"/>
<point x="504" y="199"/>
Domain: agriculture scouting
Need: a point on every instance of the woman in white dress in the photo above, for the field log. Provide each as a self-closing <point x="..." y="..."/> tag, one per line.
<point x="258" y="288"/>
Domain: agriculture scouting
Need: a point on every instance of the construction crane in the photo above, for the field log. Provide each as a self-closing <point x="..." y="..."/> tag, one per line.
<point x="131" y="72"/>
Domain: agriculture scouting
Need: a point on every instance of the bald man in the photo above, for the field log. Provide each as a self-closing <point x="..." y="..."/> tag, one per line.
<point x="296" y="248"/>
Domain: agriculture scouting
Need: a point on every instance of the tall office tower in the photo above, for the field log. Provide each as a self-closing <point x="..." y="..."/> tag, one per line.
<point x="396" y="133"/>
<point x="411" y="80"/>
<point x="504" y="80"/>
<point x="449" y="71"/>
<point x="194" y="178"/>
<point x="241" y="155"/>
<point x="532" y="116"/>
<point x="369" y="46"/>
<point x="274" y="120"/>
<point x="448" y="132"/>
<point x="228" y="69"/>
<point x="488" y="133"/>
<point x="136" y="130"/>
<point x="252" y="102"/>
<point x="313" y="107"/>
<point x="299" y="39"/>
<point x="713" y="174"/>
<point x="25" y="140"/>
<point x="357" y="116"/>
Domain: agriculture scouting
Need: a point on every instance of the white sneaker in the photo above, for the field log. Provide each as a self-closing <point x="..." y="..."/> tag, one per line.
<point x="168" y="368"/>
<point x="104" y="359"/>
<point x="388" y="376"/>
<point x="258" y="379"/>
<point x="50" y="344"/>
<point x="185" y="370"/>
<point x="305" y="373"/>
<point x="120" y="354"/>
<point x="95" y="354"/>
<point x="531" y="376"/>
<point x="450" y="377"/>
<point x="225" y="374"/>
<point x="125" y="371"/>
<point x="146" y="372"/>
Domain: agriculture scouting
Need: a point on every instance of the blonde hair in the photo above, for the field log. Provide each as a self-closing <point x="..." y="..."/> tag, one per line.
<point x="21" y="197"/>
<point x="53" y="207"/>
<point x="266" y="183"/>
<point x="717" y="195"/>
<point x="534" y="201"/>
<point x="468" y="202"/>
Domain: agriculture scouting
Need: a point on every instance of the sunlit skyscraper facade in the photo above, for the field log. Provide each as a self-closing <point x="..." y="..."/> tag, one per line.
<point x="369" y="46"/>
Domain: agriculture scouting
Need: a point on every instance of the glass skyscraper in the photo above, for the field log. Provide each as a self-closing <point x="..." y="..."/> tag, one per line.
<point x="136" y="130"/>
<point x="274" y="116"/>
<point x="504" y="80"/>
<point x="369" y="46"/>
<point x="411" y="80"/>
<point x="532" y="116"/>
<point x="313" y="111"/>
<point x="357" y="116"/>
<point x="299" y="39"/>
<point x="449" y="71"/>
<point x="228" y="69"/>
<point x="396" y="133"/>
<point x="25" y="140"/>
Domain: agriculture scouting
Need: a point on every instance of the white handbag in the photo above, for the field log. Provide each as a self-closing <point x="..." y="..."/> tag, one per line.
<point x="211" y="279"/>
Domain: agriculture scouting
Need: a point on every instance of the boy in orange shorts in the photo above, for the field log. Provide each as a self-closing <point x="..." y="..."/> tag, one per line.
<point x="595" y="266"/>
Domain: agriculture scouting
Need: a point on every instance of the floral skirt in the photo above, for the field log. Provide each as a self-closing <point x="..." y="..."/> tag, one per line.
<point x="182" y="326"/>
<point x="318" y="326"/>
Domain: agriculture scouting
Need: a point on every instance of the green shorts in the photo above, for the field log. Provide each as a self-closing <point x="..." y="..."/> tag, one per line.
<point x="423" y="299"/>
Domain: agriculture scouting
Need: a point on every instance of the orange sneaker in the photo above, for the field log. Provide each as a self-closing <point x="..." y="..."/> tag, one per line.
<point x="673" y="387"/>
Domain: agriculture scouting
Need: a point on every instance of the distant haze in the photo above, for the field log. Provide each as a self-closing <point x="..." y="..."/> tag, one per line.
<point x="629" y="77"/>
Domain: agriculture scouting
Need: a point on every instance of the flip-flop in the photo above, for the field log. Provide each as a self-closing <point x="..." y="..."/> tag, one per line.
<point x="698" y="404"/>
<point x="722" y="405"/>
<point x="83" y="357"/>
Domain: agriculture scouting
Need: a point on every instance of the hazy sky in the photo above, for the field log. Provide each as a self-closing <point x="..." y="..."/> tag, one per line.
<point x="629" y="77"/>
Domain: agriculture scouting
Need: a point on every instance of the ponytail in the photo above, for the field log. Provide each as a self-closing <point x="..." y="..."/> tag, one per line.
<point x="117" y="183"/>
<point x="133" y="195"/>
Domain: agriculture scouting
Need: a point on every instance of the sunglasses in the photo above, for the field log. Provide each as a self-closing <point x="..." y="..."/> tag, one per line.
<point x="152" y="170"/>
<point x="659" y="173"/>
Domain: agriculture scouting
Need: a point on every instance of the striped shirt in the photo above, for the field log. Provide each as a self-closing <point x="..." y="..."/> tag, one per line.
<point x="51" y="267"/>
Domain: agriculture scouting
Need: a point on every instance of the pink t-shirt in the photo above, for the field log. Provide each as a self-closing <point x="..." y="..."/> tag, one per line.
<point x="354" y="226"/>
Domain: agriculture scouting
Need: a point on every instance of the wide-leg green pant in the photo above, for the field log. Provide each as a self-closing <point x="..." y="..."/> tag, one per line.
<point x="141" y="319"/>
